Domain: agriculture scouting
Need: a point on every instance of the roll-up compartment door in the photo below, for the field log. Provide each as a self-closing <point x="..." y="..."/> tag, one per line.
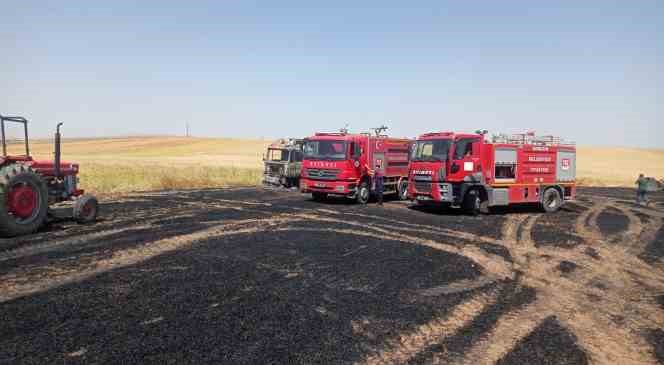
<point x="566" y="166"/>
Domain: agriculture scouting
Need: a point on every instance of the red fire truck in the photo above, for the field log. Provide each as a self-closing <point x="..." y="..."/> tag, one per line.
<point x="338" y="164"/>
<point x="469" y="171"/>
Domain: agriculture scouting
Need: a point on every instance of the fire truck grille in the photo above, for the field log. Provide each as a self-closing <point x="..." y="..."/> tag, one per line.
<point x="423" y="187"/>
<point x="275" y="170"/>
<point x="322" y="174"/>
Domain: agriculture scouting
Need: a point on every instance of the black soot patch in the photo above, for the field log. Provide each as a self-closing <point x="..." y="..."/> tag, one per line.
<point x="549" y="343"/>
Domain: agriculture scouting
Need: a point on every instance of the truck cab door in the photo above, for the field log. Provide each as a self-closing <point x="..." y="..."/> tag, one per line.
<point x="466" y="162"/>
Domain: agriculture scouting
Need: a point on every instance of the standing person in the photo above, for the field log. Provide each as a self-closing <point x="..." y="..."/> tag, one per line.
<point x="379" y="182"/>
<point x="641" y="190"/>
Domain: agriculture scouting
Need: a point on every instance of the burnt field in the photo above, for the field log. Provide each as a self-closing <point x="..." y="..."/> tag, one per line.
<point x="259" y="276"/>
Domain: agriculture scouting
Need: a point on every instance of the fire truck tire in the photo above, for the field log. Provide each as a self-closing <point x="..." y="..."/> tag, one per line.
<point x="551" y="200"/>
<point x="23" y="200"/>
<point x="403" y="190"/>
<point x="472" y="202"/>
<point x="86" y="209"/>
<point x="318" y="197"/>
<point x="363" y="193"/>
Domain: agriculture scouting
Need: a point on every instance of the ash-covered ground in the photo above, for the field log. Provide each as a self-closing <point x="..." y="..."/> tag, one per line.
<point x="252" y="276"/>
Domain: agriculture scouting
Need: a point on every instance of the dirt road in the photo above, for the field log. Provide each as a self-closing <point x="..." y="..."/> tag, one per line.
<point x="258" y="276"/>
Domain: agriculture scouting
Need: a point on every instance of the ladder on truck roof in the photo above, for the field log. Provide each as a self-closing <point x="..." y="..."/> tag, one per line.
<point x="531" y="139"/>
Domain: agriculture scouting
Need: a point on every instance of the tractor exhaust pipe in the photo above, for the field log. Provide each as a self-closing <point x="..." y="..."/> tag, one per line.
<point x="58" y="152"/>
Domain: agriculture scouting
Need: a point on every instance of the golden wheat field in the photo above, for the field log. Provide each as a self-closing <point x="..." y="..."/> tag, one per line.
<point x="111" y="166"/>
<point x="119" y="165"/>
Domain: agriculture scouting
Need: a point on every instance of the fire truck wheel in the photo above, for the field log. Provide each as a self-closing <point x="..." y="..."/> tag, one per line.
<point x="472" y="203"/>
<point x="551" y="201"/>
<point x="403" y="190"/>
<point x="23" y="200"/>
<point x="319" y="197"/>
<point x="86" y="208"/>
<point x="363" y="193"/>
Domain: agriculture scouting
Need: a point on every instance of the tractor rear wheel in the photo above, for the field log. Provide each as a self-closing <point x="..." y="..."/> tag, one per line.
<point x="23" y="200"/>
<point x="86" y="208"/>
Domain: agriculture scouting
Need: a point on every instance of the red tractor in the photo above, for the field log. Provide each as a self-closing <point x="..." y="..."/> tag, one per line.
<point x="29" y="187"/>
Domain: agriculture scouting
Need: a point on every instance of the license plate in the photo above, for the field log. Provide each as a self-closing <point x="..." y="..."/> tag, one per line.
<point x="320" y="185"/>
<point x="423" y="197"/>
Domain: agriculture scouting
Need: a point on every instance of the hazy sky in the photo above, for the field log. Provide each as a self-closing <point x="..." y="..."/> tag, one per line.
<point x="592" y="71"/>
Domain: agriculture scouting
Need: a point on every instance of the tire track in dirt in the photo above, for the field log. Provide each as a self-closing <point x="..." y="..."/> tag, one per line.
<point x="70" y="241"/>
<point x="12" y="288"/>
<point x="516" y="232"/>
<point x="106" y="230"/>
<point x="510" y="230"/>
<point x="599" y="313"/>
<point x="566" y="297"/>
<point x="406" y="346"/>
<point x="601" y="302"/>
<point x="494" y="264"/>
<point x="586" y="224"/>
<point x="505" y="335"/>
<point x="513" y="326"/>
<point x="608" y="343"/>
<point x="635" y="227"/>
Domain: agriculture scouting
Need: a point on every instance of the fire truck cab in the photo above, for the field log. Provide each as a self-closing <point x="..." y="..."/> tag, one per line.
<point x="472" y="172"/>
<point x="341" y="164"/>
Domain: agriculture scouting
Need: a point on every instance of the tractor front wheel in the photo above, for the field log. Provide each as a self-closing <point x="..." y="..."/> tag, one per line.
<point x="86" y="209"/>
<point x="23" y="200"/>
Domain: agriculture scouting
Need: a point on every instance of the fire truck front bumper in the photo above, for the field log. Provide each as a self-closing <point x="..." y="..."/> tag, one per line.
<point x="431" y="192"/>
<point x="328" y="187"/>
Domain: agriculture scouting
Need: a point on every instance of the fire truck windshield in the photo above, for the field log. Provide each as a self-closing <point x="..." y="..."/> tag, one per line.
<point x="275" y="154"/>
<point x="325" y="150"/>
<point x="431" y="150"/>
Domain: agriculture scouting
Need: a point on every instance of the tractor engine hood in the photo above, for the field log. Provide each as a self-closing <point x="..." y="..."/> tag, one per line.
<point x="47" y="168"/>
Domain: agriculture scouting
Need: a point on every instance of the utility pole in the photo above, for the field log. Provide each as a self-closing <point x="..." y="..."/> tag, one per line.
<point x="187" y="129"/>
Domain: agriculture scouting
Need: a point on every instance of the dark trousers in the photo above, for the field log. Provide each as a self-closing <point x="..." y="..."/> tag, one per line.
<point x="380" y="187"/>
<point x="641" y="197"/>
